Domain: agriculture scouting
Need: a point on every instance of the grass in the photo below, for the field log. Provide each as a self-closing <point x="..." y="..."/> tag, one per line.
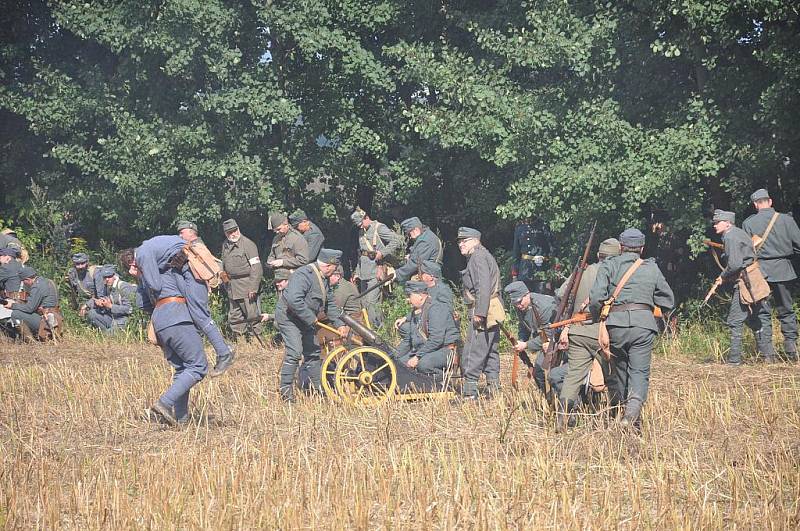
<point x="719" y="449"/>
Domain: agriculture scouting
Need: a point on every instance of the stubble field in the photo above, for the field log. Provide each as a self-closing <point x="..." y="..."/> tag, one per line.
<point x="719" y="449"/>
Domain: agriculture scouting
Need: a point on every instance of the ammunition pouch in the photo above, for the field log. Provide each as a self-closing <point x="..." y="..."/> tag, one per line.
<point x="496" y="313"/>
<point x="753" y="287"/>
<point x="51" y="325"/>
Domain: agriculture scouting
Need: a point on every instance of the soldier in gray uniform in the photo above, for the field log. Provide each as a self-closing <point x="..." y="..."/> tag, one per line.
<point x="426" y="246"/>
<point x="9" y="272"/>
<point x="8" y="238"/>
<point x="581" y="339"/>
<point x="431" y="275"/>
<point x="81" y="281"/>
<point x="739" y="253"/>
<point x="631" y="325"/>
<point x="531" y="250"/>
<point x="376" y="243"/>
<point x="306" y="296"/>
<point x="289" y="247"/>
<point x="42" y="293"/>
<point x="775" y="260"/>
<point x="345" y="294"/>
<point x="432" y="335"/>
<point x="187" y="230"/>
<point x="310" y="231"/>
<point x="534" y="311"/>
<point x="241" y="262"/>
<point x="112" y="307"/>
<point x="481" y="282"/>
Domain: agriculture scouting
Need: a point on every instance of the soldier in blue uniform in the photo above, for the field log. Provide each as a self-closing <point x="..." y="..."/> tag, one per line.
<point x="9" y="272"/>
<point x="431" y="336"/>
<point x="307" y="295"/>
<point x="81" y="281"/>
<point x="162" y="292"/>
<point x="313" y="235"/>
<point x="112" y="307"/>
<point x="532" y="248"/>
<point x="431" y="275"/>
<point x="631" y="325"/>
<point x="42" y="299"/>
<point x="775" y="260"/>
<point x="426" y="246"/>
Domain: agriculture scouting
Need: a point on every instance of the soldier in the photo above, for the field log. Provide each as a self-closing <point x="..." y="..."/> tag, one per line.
<point x="481" y="281"/>
<point x="8" y="238"/>
<point x="780" y="240"/>
<point x="42" y="301"/>
<point x="581" y="339"/>
<point x="162" y="292"/>
<point x="241" y="262"/>
<point x="432" y="334"/>
<point x="532" y="247"/>
<point x="345" y="294"/>
<point x="534" y="311"/>
<point x="188" y="231"/>
<point x="740" y="254"/>
<point x="310" y="231"/>
<point x="377" y="244"/>
<point x="289" y="247"/>
<point x="112" y="307"/>
<point x="426" y="246"/>
<point x="305" y="297"/>
<point x="431" y="275"/>
<point x="631" y="325"/>
<point x="9" y="273"/>
<point x="81" y="282"/>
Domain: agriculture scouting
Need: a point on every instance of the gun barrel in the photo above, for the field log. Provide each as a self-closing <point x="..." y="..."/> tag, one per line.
<point x="369" y="336"/>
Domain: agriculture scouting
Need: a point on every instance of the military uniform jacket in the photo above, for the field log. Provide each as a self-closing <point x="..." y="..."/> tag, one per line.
<point x="739" y="253"/>
<point x="481" y="280"/>
<point x="291" y="248"/>
<point x="120" y="293"/>
<point x="427" y="246"/>
<point x="646" y="286"/>
<point x="442" y="292"/>
<point x="171" y="313"/>
<point x="531" y="239"/>
<point x="783" y="241"/>
<point x="9" y="276"/>
<point x="240" y="260"/>
<point x="306" y="296"/>
<point x="376" y="237"/>
<point x="84" y="287"/>
<point x="545" y="307"/>
<point x="431" y="328"/>
<point x="584" y="288"/>
<point x="42" y="294"/>
<point x="314" y="239"/>
<point x="345" y="294"/>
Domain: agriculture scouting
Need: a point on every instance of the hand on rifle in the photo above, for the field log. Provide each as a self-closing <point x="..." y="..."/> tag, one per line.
<point x="563" y="339"/>
<point x="519" y="346"/>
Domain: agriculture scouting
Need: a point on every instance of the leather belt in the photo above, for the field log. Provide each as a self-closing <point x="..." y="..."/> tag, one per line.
<point x="532" y="257"/>
<point x="167" y="300"/>
<point x="245" y="275"/>
<point x="631" y="306"/>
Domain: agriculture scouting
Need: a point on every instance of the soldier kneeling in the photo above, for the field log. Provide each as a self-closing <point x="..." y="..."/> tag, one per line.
<point x="432" y="334"/>
<point x="40" y="313"/>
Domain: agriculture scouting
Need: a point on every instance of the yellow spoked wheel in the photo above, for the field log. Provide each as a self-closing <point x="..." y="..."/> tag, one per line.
<point x="328" y="371"/>
<point x="365" y="374"/>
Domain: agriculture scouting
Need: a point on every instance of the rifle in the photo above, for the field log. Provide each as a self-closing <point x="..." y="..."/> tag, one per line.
<point x="376" y="286"/>
<point x="522" y="355"/>
<point x="566" y="304"/>
<point x="715" y="245"/>
<point x="712" y="290"/>
<point x="580" y="317"/>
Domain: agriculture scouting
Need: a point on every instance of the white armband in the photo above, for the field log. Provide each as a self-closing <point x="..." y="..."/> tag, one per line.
<point x="254" y="261"/>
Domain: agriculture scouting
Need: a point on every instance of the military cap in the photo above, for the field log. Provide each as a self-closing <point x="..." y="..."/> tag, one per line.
<point x="609" y="247"/>
<point x="415" y="286"/>
<point x="468" y="232"/>
<point x="432" y="268"/>
<point x="330" y="256"/>
<point x="109" y="271"/>
<point x="276" y="219"/>
<point x="632" y="238"/>
<point x="297" y="217"/>
<point x="759" y="194"/>
<point x="80" y="258"/>
<point x="13" y="252"/>
<point x="409" y="224"/>
<point x="516" y="290"/>
<point x="26" y="272"/>
<point x="186" y="225"/>
<point x="282" y="274"/>
<point x="357" y="216"/>
<point x="229" y="225"/>
<point x="723" y="215"/>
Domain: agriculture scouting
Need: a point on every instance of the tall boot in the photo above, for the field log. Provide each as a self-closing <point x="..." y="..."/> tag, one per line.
<point x="25" y="333"/>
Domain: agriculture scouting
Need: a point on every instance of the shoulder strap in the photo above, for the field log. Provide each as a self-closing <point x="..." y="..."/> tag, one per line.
<point x="626" y="277"/>
<point x="766" y="232"/>
<point x="375" y="235"/>
<point x="324" y="291"/>
<point x="440" y="253"/>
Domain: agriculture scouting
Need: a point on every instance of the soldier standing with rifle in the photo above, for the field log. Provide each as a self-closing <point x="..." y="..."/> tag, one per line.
<point x="777" y="240"/>
<point x="377" y="244"/>
<point x="740" y="255"/>
<point x="481" y="281"/>
<point x="624" y="295"/>
<point x="241" y="262"/>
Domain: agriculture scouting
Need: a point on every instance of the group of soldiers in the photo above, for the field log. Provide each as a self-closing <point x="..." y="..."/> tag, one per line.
<point x="618" y="300"/>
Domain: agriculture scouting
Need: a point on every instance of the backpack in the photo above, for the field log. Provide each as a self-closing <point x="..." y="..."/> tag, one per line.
<point x="204" y="265"/>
